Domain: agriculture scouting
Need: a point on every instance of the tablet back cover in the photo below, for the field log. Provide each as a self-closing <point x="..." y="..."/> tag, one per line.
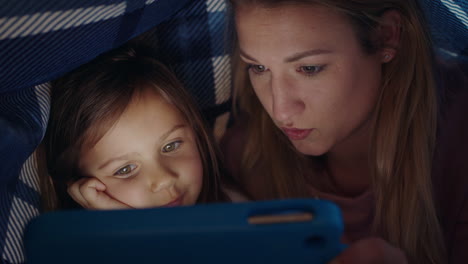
<point x="252" y="232"/>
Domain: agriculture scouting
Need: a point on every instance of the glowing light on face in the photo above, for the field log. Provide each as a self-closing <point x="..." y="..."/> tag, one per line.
<point x="149" y="158"/>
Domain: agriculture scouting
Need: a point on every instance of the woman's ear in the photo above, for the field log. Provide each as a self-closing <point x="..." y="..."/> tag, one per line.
<point x="389" y="32"/>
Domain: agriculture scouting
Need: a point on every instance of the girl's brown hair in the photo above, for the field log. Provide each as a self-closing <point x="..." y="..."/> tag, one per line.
<point x="88" y="101"/>
<point x="403" y="136"/>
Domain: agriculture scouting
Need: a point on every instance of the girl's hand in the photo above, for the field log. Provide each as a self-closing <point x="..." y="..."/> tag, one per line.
<point x="370" y="251"/>
<point x="90" y="193"/>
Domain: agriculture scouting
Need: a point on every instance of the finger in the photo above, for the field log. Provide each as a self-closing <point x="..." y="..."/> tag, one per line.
<point x="94" y="193"/>
<point x="96" y="184"/>
<point x="75" y="193"/>
<point x="89" y="190"/>
<point x="370" y="251"/>
<point x="102" y="201"/>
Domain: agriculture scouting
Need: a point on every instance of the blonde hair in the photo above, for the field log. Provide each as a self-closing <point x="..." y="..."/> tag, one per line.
<point x="403" y="135"/>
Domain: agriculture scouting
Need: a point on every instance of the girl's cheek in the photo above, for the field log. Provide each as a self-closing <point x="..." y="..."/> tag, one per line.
<point x="124" y="191"/>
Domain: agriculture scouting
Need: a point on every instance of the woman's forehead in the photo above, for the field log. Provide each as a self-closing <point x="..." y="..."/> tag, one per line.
<point x="293" y="28"/>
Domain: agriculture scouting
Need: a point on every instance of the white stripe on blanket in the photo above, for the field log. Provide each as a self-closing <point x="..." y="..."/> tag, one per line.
<point x="39" y="23"/>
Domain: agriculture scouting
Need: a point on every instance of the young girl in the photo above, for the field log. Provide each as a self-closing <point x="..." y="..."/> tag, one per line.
<point x="339" y="102"/>
<point x="123" y="133"/>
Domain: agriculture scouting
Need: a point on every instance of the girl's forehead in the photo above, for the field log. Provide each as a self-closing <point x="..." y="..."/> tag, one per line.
<point x="147" y="123"/>
<point x="152" y="104"/>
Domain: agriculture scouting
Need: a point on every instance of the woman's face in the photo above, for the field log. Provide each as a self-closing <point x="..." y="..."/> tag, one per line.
<point x="310" y="73"/>
<point x="149" y="158"/>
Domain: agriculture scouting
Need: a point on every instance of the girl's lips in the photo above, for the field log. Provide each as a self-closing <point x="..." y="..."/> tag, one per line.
<point x="175" y="202"/>
<point x="296" y="134"/>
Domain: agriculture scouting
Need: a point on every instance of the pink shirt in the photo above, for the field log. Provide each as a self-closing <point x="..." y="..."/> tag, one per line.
<point x="357" y="213"/>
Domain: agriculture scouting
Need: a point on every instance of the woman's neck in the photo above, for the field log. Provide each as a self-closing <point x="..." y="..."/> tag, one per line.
<point x="347" y="165"/>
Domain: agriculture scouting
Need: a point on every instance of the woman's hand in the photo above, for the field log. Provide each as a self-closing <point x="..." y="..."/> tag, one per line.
<point x="90" y="193"/>
<point x="370" y="251"/>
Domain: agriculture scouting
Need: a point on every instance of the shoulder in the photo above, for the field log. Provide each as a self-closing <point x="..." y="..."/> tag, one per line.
<point x="232" y="144"/>
<point x="452" y="127"/>
<point x="235" y="196"/>
<point x="451" y="153"/>
<point x="450" y="163"/>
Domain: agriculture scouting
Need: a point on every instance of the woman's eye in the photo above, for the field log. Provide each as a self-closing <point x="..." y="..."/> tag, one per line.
<point x="125" y="171"/>
<point x="310" y="70"/>
<point x="258" y="69"/>
<point x="171" y="146"/>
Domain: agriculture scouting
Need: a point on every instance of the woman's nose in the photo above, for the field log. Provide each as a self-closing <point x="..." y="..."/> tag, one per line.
<point x="286" y="104"/>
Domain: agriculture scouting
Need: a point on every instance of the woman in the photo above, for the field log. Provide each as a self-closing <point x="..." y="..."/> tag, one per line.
<point x="340" y="103"/>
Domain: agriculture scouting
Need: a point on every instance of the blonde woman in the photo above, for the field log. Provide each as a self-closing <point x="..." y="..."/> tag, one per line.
<point x="338" y="101"/>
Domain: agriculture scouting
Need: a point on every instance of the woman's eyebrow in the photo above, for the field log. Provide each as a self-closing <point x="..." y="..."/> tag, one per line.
<point x="245" y="55"/>
<point x="308" y="53"/>
<point x="292" y="58"/>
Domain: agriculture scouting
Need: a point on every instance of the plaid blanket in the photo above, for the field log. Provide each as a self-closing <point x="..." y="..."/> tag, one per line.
<point x="42" y="39"/>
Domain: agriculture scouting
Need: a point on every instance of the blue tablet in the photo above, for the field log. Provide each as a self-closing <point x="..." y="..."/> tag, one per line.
<point x="278" y="231"/>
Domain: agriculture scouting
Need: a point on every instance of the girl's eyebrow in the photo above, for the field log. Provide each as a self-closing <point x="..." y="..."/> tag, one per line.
<point x="126" y="156"/>
<point x="170" y="131"/>
<point x="122" y="157"/>
<point x="294" y="57"/>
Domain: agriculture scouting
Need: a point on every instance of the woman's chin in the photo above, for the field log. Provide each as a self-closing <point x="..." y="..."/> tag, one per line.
<point x="311" y="149"/>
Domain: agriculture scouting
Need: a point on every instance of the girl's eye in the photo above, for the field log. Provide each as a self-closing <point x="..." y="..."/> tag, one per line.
<point x="258" y="69"/>
<point x="310" y="70"/>
<point x="125" y="171"/>
<point x="171" y="146"/>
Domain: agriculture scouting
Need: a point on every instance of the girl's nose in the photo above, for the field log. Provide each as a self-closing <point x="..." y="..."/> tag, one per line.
<point x="162" y="179"/>
<point x="167" y="192"/>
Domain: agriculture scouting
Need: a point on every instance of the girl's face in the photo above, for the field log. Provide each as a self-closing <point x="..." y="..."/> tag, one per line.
<point x="149" y="158"/>
<point x="310" y="73"/>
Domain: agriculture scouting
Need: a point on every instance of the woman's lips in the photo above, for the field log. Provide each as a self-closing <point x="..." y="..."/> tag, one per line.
<point x="297" y="134"/>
